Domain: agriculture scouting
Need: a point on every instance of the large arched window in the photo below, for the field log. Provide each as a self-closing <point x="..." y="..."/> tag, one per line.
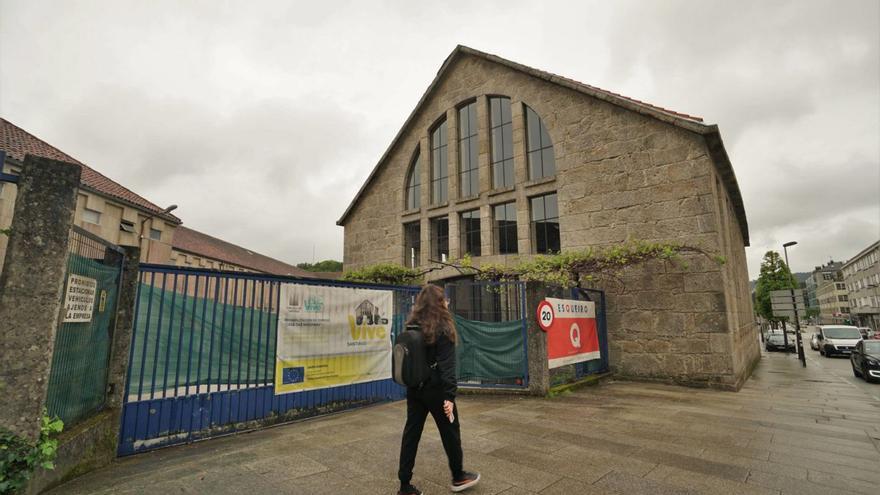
<point x="542" y="163"/>
<point x="468" y="147"/>
<point x="502" y="142"/>
<point x="439" y="165"/>
<point x="414" y="184"/>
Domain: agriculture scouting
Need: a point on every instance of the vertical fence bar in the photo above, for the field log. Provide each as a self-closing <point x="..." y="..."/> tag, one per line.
<point x="146" y="334"/>
<point x="170" y="336"/>
<point x="192" y="326"/>
<point x="180" y="337"/>
<point x="232" y="334"/>
<point x="251" y="331"/>
<point x="137" y="309"/>
<point x="158" y="339"/>
<point x="202" y="337"/>
<point x="222" y="332"/>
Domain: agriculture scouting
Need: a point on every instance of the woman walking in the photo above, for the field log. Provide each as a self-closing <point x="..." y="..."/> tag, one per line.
<point x="437" y="395"/>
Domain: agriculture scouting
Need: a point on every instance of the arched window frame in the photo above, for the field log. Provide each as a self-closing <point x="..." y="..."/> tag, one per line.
<point x="501" y="138"/>
<point x="439" y="144"/>
<point x="539" y="147"/>
<point x="413" y="192"/>
<point x="468" y="149"/>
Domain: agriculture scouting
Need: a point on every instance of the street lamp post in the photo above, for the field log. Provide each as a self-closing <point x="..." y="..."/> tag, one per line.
<point x="797" y="319"/>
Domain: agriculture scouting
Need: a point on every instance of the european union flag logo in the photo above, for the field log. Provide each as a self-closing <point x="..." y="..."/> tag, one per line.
<point x="293" y="375"/>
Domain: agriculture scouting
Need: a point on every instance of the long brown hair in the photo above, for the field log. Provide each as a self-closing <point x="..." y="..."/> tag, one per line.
<point x="430" y="313"/>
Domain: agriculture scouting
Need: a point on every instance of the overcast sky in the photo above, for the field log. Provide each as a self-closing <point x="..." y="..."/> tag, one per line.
<point x="262" y="119"/>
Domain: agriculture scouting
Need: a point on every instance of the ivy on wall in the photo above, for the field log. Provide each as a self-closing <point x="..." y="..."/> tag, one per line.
<point x="567" y="269"/>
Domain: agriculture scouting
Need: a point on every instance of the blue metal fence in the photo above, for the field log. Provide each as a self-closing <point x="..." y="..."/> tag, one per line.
<point x="598" y="365"/>
<point x="202" y="359"/>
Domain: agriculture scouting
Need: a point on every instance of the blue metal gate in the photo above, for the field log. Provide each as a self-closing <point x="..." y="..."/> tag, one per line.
<point x="202" y="359"/>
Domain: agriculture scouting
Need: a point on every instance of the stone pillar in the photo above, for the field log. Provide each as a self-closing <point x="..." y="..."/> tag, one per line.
<point x="120" y="344"/>
<point x="31" y="287"/>
<point x="539" y="367"/>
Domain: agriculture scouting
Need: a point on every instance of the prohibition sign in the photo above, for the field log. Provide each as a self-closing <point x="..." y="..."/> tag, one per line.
<point x="545" y="315"/>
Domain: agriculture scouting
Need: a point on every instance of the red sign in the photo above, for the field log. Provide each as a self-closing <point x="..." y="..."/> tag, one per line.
<point x="545" y="315"/>
<point x="571" y="330"/>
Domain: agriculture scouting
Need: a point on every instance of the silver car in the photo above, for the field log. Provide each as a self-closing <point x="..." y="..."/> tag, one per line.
<point x="814" y="341"/>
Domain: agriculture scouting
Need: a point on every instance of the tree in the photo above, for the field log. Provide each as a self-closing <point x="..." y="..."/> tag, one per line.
<point x="775" y="275"/>
<point x="322" y="266"/>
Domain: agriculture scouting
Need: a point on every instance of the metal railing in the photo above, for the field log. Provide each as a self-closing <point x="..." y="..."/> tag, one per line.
<point x="78" y="378"/>
<point x="203" y="357"/>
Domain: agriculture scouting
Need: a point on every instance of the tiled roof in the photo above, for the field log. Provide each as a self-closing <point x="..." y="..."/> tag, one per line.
<point x="195" y="242"/>
<point x="17" y="143"/>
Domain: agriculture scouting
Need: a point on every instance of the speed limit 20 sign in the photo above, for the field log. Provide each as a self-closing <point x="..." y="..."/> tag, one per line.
<point x="545" y="315"/>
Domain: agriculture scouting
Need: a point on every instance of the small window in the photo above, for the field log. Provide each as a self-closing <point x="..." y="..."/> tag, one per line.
<point x="440" y="238"/>
<point x="542" y="162"/>
<point x="468" y="147"/>
<point x="502" y="142"/>
<point x="412" y="243"/>
<point x="439" y="165"/>
<point x="155" y="234"/>
<point x="545" y="224"/>
<point x="91" y="216"/>
<point x="470" y="232"/>
<point x="505" y="228"/>
<point x="414" y="184"/>
<point x="126" y="226"/>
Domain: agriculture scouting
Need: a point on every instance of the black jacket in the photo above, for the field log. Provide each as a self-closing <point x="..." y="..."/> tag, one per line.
<point x="444" y="375"/>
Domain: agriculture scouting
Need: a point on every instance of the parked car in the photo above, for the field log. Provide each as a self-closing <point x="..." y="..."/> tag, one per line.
<point x="867" y="333"/>
<point x="865" y="360"/>
<point x="838" y="339"/>
<point x="776" y="342"/>
<point x="814" y="341"/>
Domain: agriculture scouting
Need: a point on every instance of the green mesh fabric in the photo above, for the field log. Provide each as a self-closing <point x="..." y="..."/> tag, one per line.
<point x="182" y="341"/>
<point x="78" y="379"/>
<point x="490" y="351"/>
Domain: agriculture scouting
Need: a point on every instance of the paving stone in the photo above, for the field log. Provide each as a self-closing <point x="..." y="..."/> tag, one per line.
<point x="617" y="482"/>
<point x="792" y="485"/>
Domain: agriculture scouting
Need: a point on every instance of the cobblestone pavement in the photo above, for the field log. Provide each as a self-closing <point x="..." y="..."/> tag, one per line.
<point x="789" y="430"/>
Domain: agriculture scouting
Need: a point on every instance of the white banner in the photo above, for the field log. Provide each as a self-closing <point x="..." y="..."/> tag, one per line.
<point x="79" y="300"/>
<point x="331" y="336"/>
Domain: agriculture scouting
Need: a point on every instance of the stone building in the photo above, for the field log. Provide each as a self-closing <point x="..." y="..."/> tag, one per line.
<point x="502" y="161"/>
<point x="861" y="276"/>
<point x="119" y="215"/>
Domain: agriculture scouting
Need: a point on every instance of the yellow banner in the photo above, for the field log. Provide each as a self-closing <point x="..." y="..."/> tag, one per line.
<point x="332" y="336"/>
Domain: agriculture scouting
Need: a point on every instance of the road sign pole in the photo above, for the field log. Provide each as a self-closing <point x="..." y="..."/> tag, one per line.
<point x="797" y="320"/>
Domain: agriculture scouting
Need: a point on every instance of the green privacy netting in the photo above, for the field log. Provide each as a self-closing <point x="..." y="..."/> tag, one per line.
<point x="183" y="340"/>
<point x="490" y="351"/>
<point x="78" y="379"/>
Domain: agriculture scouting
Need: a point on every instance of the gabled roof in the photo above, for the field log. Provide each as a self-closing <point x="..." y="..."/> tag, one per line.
<point x="195" y="242"/>
<point x="678" y="119"/>
<point x="17" y="143"/>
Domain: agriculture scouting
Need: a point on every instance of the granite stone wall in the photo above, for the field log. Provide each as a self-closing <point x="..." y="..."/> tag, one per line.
<point x="621" y="175"/>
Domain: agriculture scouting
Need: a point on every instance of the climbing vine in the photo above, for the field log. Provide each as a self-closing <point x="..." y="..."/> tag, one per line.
<point x="579" y="268"/>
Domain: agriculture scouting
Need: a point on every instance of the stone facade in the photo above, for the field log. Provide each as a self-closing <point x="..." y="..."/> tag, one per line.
<point x="624" y="171"/>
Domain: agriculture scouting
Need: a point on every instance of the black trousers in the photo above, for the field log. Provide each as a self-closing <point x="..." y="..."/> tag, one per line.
<point x="418" y="404"/>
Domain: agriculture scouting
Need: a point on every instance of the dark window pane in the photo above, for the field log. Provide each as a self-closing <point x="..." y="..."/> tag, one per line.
<point x="505" y="110"/>
<point x="534" y="165"/>
<point x="440" y="238"/>
<point x="551" y="209"/>
<point x="534" y="131"/>
<point x="507" y="133"/>
<point x="508" y="172"/>
<point x="495" y="110"/>
<point x="412" y="244"/>
<point x="463" y="122"/>
<point x="548" y="161"/>
<point x="538" y="208"/>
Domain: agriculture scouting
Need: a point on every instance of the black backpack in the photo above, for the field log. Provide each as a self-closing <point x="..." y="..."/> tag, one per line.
<point x="409" y="358"/>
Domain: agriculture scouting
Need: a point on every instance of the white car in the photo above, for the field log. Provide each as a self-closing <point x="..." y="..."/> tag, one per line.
<point x="838" y="339"/>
